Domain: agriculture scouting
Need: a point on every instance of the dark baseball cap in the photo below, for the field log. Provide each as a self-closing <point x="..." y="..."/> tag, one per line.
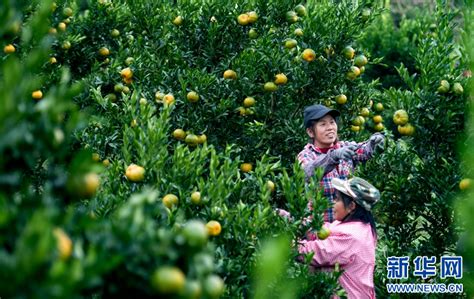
<point x="317" y="111"/>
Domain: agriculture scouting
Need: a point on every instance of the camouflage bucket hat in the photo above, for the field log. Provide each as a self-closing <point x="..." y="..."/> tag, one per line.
<point x="364" y="193"/>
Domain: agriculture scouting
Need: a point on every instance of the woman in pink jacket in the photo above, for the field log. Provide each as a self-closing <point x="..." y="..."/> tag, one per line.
<point x="352" y="240"/>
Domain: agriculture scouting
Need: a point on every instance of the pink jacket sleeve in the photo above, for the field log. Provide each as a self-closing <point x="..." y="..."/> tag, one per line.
<point x="328" y="252"/>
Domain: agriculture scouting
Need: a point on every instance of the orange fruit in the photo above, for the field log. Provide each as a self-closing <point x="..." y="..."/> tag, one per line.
<point x="230" y="74"/>
<point x="135" y="173"/>
<point x="37" y="94"/>
<point x="104" y="51"/>
<point x="63" y="244"/>
<point x="168" y="280"/>
<point x="377" y="119"/>
<point x="213" y="228"/>
<point x="168" y="99"/>
<point x="9" y="49"/>
<point x="308" y="55"/>
<point x="106" y="162"/>
<point x="252" y="17"/>
<point x="62" y="26"/>
<point x="246" y="167"/>
<point x="249" y="102"/>
<point x="243" y="19"/>
<point x="126" y="73"/>
<point x="280" y="79"/>
<point x="192" y="96"/>
<point x="170" y="200"/>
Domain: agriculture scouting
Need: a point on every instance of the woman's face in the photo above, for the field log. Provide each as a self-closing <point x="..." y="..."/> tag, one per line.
<point x="324" y="132"/>
<point x="340" y="211"/>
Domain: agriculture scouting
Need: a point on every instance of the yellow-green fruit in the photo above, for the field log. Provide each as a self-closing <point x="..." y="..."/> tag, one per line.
<point x="270" y="86"/>
<point x="379" y="127"/>
<point x="253" y="33"/>
<point x="213" y="286"/>
<point x="196" y="197"/>
<point x="457" y="89"/>
<point x="358" y="121"/>
<point x="323" y="233"/>
<point x="63" y="244"/>
<point x="299" y="32"/>
<point x="170" y="200"/>
<point x="377" y="119"/>
<point x="360" y="60"/>
<point x="192" y="96"/>
<point x="444" y="86"/>
<point x="406" y="130"/>
<point x="230" y="74"/>
<point x="365" y="112"/>
<point x="179" y="134"/>
<point x="271" y="186"/>
<point x="378" y="107"/>
<point x="348" y="52"/>
<point x="135" y="173"/>
<point x="400" y="117"/>
<point x="341" y="99"/>
<point x="252" y="17"/>
<point x="249" y="102"/>
<point x="191" y="140"/>
<point x="465" y="184"/>
<point x="292" y="16"/>
<point x="168" y="280"/>
<point x="290" y="43"/>
<point x="178" y="21"/>
<point x="300" y="10"/>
